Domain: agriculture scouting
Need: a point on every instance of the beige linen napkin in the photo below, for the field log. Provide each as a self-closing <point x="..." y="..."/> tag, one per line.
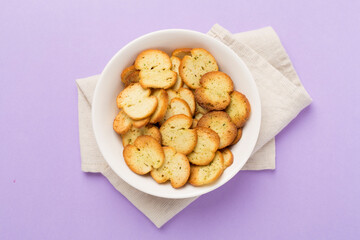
<point x="282" y="98"/>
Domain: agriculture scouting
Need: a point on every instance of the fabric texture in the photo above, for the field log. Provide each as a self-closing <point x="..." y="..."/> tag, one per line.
<point x="282" y="98"/>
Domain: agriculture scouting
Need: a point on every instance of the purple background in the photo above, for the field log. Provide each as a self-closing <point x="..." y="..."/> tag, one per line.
<point x="45" y="46"/>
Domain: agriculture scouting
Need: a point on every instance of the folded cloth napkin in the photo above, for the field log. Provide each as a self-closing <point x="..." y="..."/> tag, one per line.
<point x="282" y="98"/>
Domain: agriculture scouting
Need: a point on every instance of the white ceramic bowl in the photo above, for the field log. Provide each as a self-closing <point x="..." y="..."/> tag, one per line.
<point x="104" y="107"/>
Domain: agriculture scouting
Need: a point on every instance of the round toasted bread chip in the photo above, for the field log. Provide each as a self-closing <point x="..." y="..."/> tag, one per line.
<point x="214" y="93"/>
<point x="162" y="99"/>
<point x="122" y="122"/>
<point x="137" y="102"/>
<point x="177" y="106"/>
<point x="239" y="109"/>
<point x="140" y="123"/>
<point x="199" y="116"/>
<point x="175" y="64"/>
<point x="193" y="67"/>
<point x="133" y="78"/>
<point x="176" y="168"/>
<point x="207" y="144"/>
<point x="221" y="123"/>
<point x="228" y="157"/>
<point x="194" y="123"/>
<point x="196" y="119"/>
<point x="144" y="155"/>
<point x="185" y="86"/>
<point x="186" y="95"/>
<point x="181" y="52"/>
<point x="130" y="75"/>
<point x="155" y="69"/>
<point x="238" y="137"/>
<point x="130" y="136"/>
<point x="176" y="133"/>
<point x="201" y="175"/>
<point x="200" y="109"/>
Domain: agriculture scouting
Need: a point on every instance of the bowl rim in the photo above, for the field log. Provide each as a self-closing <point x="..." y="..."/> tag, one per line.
<point x="230" y="175"/>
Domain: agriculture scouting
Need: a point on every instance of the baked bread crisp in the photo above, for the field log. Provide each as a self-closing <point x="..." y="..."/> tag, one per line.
<point x="200" y="109"/>
<point x="201" y="175"/>
<point x="176" y="133"/>
<point x="175" y="64"/>
<point x="133" y="78"/>
<point x="193" y="67"/>
<point x="155" y="69"/>
<point x="137" y="102"/>
<point x="221" y="123"/>
<point x="162" y="99"/>
<point x="122" y="122"/>
<point x="185" y="86"/>
<point x="214" y="93"/>
<point x="177" y="106"/>
<point x="130" y="75"/>
<point x="239" y="109"/>
<point x="238" y="137"/>
<point x="144" y="155"/>
<point x="196" y="119"/>
<point x="150" y="130"/>
<point x="228" y="157"/>
<point x="194" y="123"/>
<point x="199" y="116"/>
<point x="186" y="95"/>
<point x="207" y="144"/>
<point x="181" y="52"/>
<point x="176" y="168"/>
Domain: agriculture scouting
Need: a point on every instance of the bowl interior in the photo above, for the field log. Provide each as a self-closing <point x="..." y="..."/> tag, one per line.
<point x="104" y="107"/>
